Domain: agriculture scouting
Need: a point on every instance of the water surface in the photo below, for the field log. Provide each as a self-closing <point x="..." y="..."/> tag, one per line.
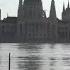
<point x="35" y="56"/>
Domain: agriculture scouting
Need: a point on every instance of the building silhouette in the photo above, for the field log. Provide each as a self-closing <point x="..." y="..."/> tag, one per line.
<point x="32" y="26"/>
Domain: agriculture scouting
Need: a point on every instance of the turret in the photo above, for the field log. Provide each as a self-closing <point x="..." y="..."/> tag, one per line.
<point x="0" y="14"/>
<point x="53" y="22"/>
<point x="52" y="11"/>
<point x="20" y="9"/>
<point x="66" y="13"/>
<point x="63" y="12"/>
<point x="68" y="3"/>
<point x="63" y="7"/>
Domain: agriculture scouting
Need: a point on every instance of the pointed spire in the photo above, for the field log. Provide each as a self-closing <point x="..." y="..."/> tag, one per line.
<point x="52" y="10"/>
<point x="63" y="7"/>
<point x="20" y="3"/>
<point x="0" y="14"/>
<point x="68" y="3"/>
<point x="20" y="9"/>
<point x="53" y="1"/>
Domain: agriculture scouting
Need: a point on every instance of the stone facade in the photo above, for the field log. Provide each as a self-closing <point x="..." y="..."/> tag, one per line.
<point x="64" y="26"/>
<point x="31" y="25"/>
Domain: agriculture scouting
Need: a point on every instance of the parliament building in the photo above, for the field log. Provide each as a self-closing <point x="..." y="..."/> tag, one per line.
<point x="32" y="26"/>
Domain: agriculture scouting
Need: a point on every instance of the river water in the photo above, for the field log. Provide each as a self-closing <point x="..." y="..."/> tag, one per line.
<point x="35" y="56"/>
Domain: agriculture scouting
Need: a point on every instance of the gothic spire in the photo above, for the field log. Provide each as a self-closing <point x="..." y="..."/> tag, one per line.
<point x="52" y="10"/>
<point x="64" y="11"/>
<point x="63" y="7"/>
<point x="68" y="3"/>
<point x="20" y="9"/>
<point x="20" y="3"/>
<point x="0" y="14"/>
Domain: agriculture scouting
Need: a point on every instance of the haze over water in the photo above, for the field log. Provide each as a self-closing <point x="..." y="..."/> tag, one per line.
<point x="35" y="56"/>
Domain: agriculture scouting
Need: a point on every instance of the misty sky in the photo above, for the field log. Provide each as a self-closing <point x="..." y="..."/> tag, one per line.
<point x="10" y="7"/>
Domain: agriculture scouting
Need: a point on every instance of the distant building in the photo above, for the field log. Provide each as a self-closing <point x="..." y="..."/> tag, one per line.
<point x="66" y="13"/>
<point x="64" y="25"/>
<point x="8" y="29"/>
<point x="32" y="26"/>
<point x="52" y="23"/>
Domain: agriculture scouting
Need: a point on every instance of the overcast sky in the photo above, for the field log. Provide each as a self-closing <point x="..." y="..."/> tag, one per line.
<point x="10" y="7"/>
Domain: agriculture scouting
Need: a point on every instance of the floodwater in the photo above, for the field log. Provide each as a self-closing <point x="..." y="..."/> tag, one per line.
<point x="35" y="56"/>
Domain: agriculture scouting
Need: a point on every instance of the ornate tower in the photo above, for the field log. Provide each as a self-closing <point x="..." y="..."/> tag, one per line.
<point x="0" y="14"/>
<point x="20" y="10"/>
<point x="32" y="20"/>
<point x="63" y="7"/>
<point x="52" y="15"/>
<point x="52" y="23"/>
<point x="68" y="4"/>
<point x="32" y="11"/>
<point x="66" y="14"/>
<point x="19" y="20"/>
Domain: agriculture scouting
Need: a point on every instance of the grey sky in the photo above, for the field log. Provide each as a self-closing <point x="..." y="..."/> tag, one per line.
<point x="10" y="7"/>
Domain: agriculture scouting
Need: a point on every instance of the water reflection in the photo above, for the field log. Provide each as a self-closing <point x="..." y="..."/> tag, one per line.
<point x="35" y="56"/>
<point x="30" y="63"/>
<point x="32" y="59"/>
